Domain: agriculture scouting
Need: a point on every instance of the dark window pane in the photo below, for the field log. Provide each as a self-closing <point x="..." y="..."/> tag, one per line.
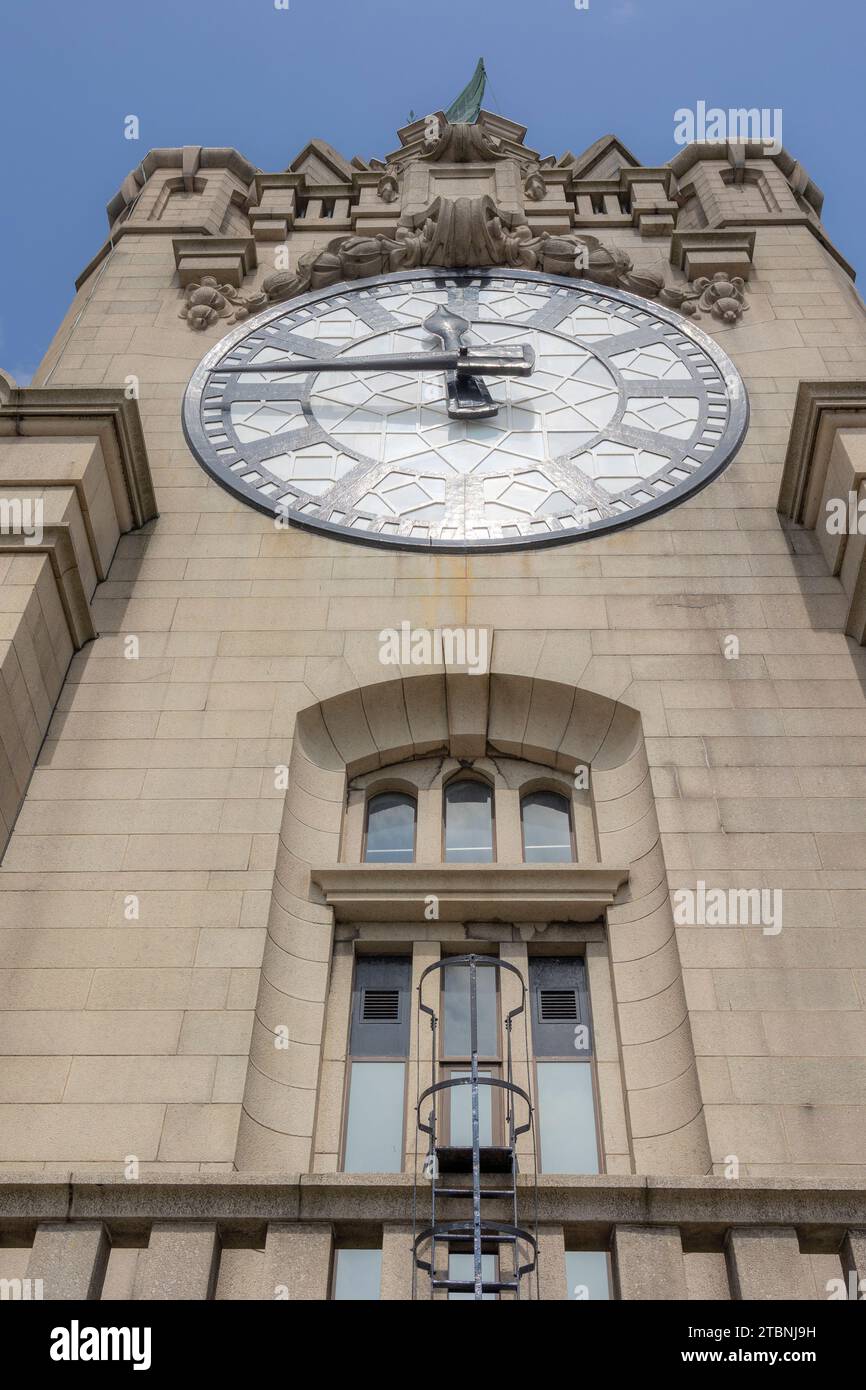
<point x="456" y="1040"/>
<point x="586" y="1275"/>
<point x="358" y="1274"/>
<point x="381" y="1007"/>
<point x="560" y="1007"/>
<point x="566" y="1118"/>
<point x="546" y="828"/>
<point x="468" y="823"/>
<point x="374" y="1125"/>
<point x="390" y="829"/>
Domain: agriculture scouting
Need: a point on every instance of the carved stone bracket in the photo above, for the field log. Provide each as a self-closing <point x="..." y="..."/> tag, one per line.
<point x="224" y="258"/>
<point x="711" y="251"/>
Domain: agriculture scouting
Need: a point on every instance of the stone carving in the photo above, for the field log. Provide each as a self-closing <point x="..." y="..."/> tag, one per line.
<point x="388" y="188"/>
<point x="723" y="296"/>
<point x="206" y="301"/>
<point x="461" y="144"/>
<point x="463" y="232"/>
<point x="534" y="187"/>
<point x="577" y="253"/>
<point x="458" y="233"/>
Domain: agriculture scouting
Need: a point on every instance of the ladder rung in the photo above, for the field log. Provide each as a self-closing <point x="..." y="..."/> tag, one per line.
<point x="461" y="1286"/>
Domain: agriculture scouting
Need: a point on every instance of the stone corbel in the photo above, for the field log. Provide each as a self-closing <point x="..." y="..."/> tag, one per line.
<point x="727" y="251"/>
<point x="227" y="259"/>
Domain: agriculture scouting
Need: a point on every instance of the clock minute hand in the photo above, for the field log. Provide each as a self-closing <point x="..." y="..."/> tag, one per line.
<point x="504" y="361"/>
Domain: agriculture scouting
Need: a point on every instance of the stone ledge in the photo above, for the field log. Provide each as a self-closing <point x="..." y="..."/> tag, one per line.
<point x="241" y="1199"/>
<point x="469" y="892"/>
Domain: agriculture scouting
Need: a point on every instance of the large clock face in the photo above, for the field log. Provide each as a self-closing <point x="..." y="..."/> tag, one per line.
<point x="627" y="410"/>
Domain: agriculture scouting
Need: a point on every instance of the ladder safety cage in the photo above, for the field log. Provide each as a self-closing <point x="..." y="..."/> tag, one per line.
<point x="514" y="1246"/>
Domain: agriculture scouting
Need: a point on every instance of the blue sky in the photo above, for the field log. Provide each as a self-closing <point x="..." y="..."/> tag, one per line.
<point x="244" y="73"/>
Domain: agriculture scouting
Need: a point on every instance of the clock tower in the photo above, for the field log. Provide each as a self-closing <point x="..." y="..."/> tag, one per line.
<point x="432" y="806"/>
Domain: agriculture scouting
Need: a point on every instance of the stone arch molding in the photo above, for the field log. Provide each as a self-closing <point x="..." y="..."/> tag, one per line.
<point x="357" y="728"/>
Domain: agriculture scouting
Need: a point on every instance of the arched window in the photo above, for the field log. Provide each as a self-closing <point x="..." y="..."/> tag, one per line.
<point x="390" y="837"/>
<point x="468" y="822"/>
<point x="546" y="821"/>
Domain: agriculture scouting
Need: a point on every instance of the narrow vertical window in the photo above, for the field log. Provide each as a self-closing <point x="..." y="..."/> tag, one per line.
<point x="565" y="1083"/>
<point x="468" y="822"/>
<point x="456" y="1054"/>
<point x="390" y="830"/>
<point x="547" y="834"/>
<point x="379" y="1046"/>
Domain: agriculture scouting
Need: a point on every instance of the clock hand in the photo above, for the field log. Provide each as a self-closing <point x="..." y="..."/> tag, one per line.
<point x="466" y="362"/>
<point x="468" y="397"/>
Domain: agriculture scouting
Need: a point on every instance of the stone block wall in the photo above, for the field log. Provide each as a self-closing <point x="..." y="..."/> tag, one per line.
<point x="137" y="885"/>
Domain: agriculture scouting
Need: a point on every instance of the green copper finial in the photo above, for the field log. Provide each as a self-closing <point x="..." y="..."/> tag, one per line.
<point x="465" y="109"/>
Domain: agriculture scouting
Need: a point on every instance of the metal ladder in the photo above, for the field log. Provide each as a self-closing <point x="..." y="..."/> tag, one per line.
<point x="449" y="1224"/>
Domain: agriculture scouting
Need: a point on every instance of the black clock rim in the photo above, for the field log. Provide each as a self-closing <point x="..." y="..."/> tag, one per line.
<point x="736" y="429"/>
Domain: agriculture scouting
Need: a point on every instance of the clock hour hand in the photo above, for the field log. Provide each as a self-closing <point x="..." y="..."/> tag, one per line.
<point x="468" y="397"/>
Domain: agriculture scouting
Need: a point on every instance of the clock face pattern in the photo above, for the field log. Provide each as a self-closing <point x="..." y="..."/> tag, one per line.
<point x="629" y="409"/>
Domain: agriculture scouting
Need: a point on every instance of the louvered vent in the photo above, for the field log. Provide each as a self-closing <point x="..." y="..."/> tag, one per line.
<point x="380" y="1006"/>
<point x="558" y="1005"/>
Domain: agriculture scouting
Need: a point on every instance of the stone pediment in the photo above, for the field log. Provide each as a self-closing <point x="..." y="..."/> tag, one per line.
<point x="321" y="163"/>
<point x="603" y="159"/>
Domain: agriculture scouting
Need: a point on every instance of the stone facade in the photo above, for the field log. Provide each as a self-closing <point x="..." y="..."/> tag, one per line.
<point x="166" y="905"/>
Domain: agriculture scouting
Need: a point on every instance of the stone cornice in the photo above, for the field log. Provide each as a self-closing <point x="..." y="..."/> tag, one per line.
<point x="825" y="469"/>
<point x="822" y="408"/>
<point x="470" y="892"/>
<point x="246" y="1201"/>
<point x="103" y="411"/>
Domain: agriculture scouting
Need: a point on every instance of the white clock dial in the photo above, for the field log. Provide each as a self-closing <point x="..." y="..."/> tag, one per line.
<point x="627" y="410"/>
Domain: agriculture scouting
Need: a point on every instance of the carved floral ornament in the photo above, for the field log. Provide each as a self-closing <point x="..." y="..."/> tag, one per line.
<point x="457" y="233"/>
<point x="723" y="296"/>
